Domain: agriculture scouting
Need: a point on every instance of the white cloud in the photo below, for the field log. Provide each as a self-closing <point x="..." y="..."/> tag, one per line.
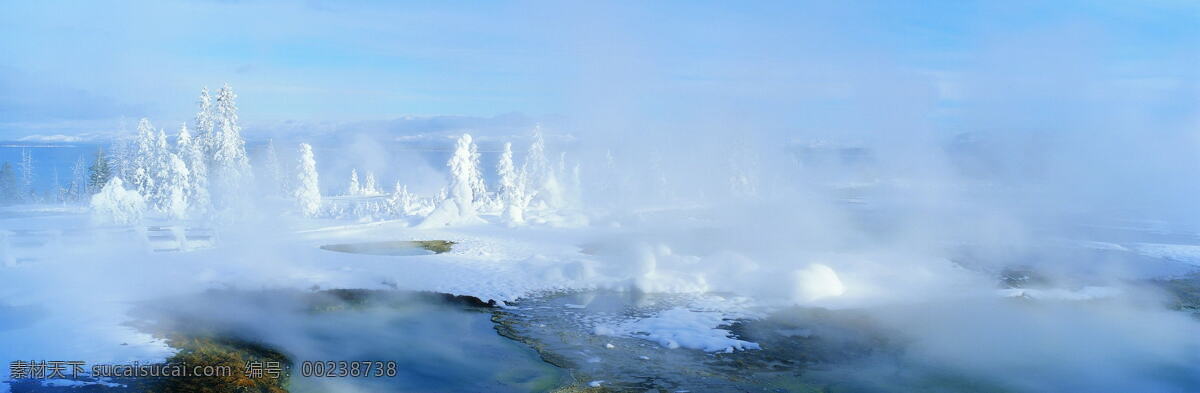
<point x="50" y="138"/>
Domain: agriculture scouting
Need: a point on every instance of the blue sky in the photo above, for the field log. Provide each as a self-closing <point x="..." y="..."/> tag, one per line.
<point x="78" y="68"/>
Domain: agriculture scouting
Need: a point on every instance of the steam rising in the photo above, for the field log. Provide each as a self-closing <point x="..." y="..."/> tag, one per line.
<point x="801" y="154"/>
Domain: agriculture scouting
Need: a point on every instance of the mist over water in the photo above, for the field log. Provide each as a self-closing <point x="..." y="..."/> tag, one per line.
<point x="1003" y="189"/>
<point x="458" y="349"/>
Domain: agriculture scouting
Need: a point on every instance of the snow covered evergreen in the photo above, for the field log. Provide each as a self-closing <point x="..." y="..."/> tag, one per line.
<point x="307" y="192"/>
<point x="369" y="187"/>
<point x="207" y="171"/>
<point x="230" y="168"/>
<point x="158" y="197"/>
<point x="459" y="204"/>
<point x="479" y="194"/>
<point x="191" y="151"/>
<point x="172" y="193"/>
<point x="78" y="185"/>
<point x="98" y="173"/>
<point x="512" y="187"/>
<point x="229" y="149"/>
<point x="205" y="125"/>
<point x="506" y="170"/>
<point x="145" y="159"/>
<point x="463" y="174"/>
<point x="353" y="189"/>
<point x="401" y="202"/>
<point x="120" y="160"/>
<point x="540" y="178"/>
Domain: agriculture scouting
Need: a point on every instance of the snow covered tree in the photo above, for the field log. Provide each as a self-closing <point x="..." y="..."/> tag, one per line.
<point x="173" y="188"/>
<point x="162" y="191"/>
<point x="159" y="176"/>
<point x="506" y="170"/>
<point x="540" y="178"/>
<point x="99" y="173"/>
<point x="191" y="151"/>
<point x="307" y="194"/>
<point x="120" y="160"/>
<point x="78" y="186"/>
<point x="160" y="144"/>
<point x="478" y="188"/>
<point x="536" y="165"/>
<point x="395" y="200"/>
<point x="512" y="187"/>
<point x="158" y="196"/>
<point x="459" y="206"/>
<point x="114" y="204"/>
<point x="353" y="189"/>
<point x="402" y="202"/>
<point x="463" y="172"/>
<point x="205" y="125"/>
<point x="230" y="168"/>
<point x="369" y="187"/>
<point x="26" y="167"/>
<point x="146" y="159"/>
<point x="229" y="150"/>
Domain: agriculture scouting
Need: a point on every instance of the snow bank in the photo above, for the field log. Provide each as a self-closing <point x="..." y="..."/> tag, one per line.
<point x="680" y="327"/>
<point x="116" y="205"/>
<point x="448" y="213"/>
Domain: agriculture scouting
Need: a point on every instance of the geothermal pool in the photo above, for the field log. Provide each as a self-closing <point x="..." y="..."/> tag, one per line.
<point x="393" y="248"/>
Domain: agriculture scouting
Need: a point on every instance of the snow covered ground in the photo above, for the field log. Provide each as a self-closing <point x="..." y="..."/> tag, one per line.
<point x="953" y="198"/>
<point x="67" y="297"/>
<point x="68" y="280"/>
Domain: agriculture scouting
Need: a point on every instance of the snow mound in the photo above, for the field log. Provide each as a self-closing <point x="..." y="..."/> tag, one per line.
<point x="116" y="205"/>
<point x="448" y="213"/>
<point x="680" y="327"/>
